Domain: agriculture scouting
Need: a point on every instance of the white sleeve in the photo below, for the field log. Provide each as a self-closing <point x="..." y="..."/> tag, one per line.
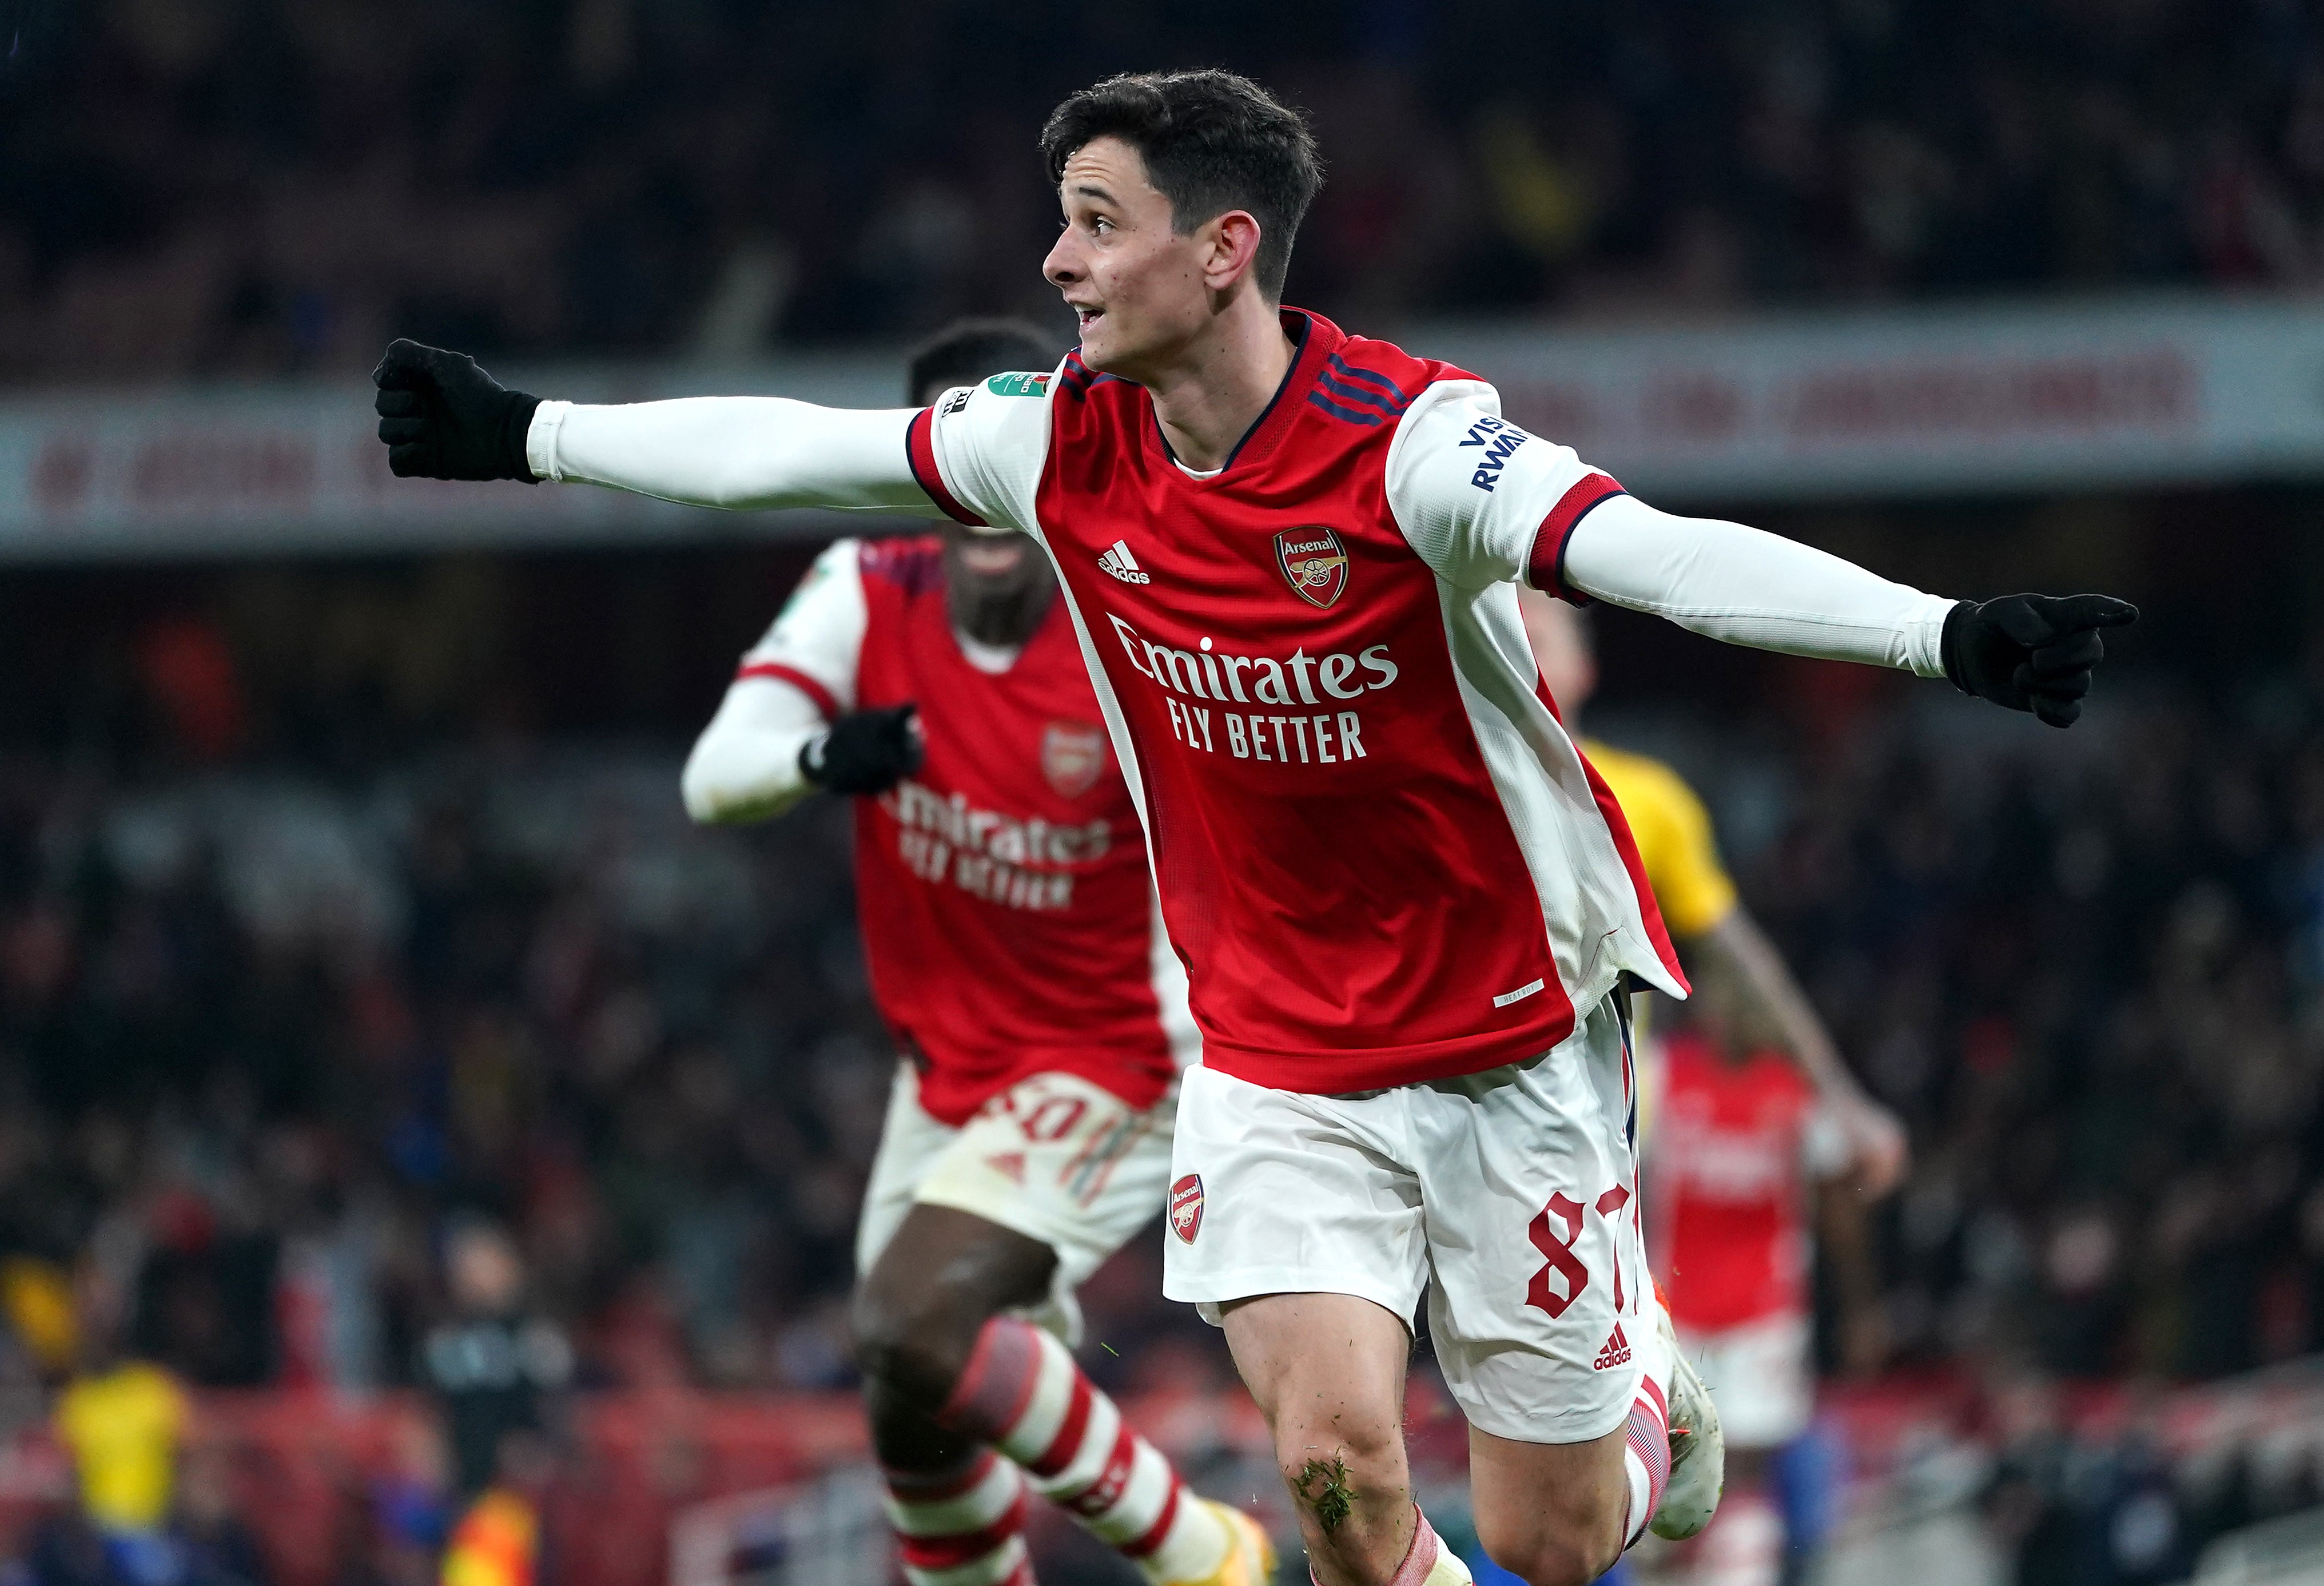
<point x="1471" y="491"/>
<point x="982" y="449"/>
<point x="1483" y="502"/>
<point x="1746" y="587"/>
<point x="792" y="683"/>
<point x="734" y="452"/>
<point x="816" y="640"/>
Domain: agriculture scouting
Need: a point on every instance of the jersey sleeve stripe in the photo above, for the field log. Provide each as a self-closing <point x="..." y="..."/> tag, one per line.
<point x="823" y="699"/>
<point x="1364" y="416"/>
<point x="920" y="452"/>
<point x="1347" y="390"/>
<point x="1545" y="568"/>
<point x="1348" y="373"/>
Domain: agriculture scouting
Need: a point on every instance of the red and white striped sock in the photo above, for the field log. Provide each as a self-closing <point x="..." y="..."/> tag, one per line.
<point x="962" y="1527"/>
<point x="1023" y="1394"/>
<point x="1646" y="1454"/>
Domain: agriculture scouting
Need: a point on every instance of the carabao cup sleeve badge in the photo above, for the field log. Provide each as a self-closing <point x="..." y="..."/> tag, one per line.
<point x="1312" y="556"/>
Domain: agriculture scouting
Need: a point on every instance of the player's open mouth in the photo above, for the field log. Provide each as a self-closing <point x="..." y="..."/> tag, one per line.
<point x="1087" y="315"/>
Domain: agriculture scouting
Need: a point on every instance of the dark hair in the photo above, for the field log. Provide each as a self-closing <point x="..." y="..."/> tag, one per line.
<point x="967" y="350"/>
<point x="1211" y="141"/>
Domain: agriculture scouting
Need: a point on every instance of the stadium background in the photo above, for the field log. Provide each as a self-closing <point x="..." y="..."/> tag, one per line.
<point x="343" y="890"/>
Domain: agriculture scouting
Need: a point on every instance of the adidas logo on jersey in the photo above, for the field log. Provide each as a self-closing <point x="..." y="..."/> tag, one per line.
<point x="1617" y="1352"/>
<point x="1121" y="564"/>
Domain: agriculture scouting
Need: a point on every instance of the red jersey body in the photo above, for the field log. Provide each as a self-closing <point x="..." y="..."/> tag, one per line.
<point x="1006" y="906"/>
<point x="1730" y="1154"/>
<point x="1377" y="852"/>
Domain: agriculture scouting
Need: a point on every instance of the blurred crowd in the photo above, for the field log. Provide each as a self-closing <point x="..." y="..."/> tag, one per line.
<point x="2088" y="972"/>
<point x="270" y="1037"/>
<point x="364" y="1027"/>
<point x="267" y="1041"/>
<point x="252" y="186"/>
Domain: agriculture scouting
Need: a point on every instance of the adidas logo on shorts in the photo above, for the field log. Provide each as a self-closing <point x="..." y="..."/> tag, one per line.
<point x="1617" y="1352"/>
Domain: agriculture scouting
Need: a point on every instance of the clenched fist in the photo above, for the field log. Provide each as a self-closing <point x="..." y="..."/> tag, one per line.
<point x="442" y="416"/>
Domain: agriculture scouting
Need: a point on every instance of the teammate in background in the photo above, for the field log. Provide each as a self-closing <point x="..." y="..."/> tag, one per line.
<point x="1744" y="1154"/>
<point x="1406" y="903"/>
<point x="1016" y="952"/>
<point x="1728" y="1142"/>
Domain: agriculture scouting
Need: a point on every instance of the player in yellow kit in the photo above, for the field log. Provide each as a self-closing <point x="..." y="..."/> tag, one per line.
<point x="122" y="1421"/>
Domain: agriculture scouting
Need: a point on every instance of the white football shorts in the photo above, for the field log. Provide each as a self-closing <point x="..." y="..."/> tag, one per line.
<point x="1054" y="1157"/>
<point x="1510" y="1196"/>
<point x="1760" y="1376"/>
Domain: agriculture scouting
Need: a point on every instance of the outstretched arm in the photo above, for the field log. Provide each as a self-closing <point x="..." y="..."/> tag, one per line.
<point x="1746" y="587"/>
<point x="1483" y="502"/>
<point x="735" y="452"/>
<point x="2029" y="652"/>
<point x="442" y="416"/>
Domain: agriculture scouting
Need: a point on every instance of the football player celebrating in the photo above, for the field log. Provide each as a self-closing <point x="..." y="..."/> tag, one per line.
<point x="1011" y="935"/>
<point x="1404" y="902"/>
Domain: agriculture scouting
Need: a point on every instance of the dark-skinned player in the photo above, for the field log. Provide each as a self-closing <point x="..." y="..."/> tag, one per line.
<point x="1015" y="952"/>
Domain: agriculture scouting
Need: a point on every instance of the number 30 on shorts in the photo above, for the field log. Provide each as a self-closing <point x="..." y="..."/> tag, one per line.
<point x="1555" y="1233"/>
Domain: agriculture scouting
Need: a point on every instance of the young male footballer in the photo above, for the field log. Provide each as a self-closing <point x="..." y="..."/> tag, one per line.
<point x="1404" y="901"/>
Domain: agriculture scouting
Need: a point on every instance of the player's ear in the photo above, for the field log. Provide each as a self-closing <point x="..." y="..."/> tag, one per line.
<point x="1234" y="250"/>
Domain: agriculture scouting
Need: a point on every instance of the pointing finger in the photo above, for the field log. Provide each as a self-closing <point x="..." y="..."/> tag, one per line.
<point x="2069" y="612"/>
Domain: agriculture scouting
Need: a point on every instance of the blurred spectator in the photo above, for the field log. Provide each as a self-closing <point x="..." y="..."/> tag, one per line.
<point x="218" y="1548"/>
<point x="271" y="187"/>
<point x="408" y="1508"/>
<point x="495" y="1367"/>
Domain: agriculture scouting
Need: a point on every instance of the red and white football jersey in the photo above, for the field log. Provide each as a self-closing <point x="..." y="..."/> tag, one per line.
<point x="1008" y="919"/>
<point x="1729" y="1160"/>
<point x="1379" y="853"/>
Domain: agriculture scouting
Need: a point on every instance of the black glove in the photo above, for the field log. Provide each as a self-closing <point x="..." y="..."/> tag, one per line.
<point x="2030" y="651"/>
<point x="442" y="417"/>
<point x="869" y="751"/>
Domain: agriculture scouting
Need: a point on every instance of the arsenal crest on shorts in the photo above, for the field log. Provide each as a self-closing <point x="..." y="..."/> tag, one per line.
<point x="1186" y="1207"/>
<point x="1072" y="754"/>
<point x="1312" y="556"/>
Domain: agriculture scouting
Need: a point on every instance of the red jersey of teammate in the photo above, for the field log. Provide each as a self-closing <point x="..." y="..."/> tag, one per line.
<point x="1733" y="1147"/>
<point x="1378" y="854"/>
<point x="1007" y="911"/>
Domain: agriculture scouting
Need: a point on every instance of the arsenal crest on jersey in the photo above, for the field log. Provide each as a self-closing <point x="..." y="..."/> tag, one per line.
<point x="1186" y="1207"/>
<point x="1312" y="556"/>
<point x="1072" y="756"/>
